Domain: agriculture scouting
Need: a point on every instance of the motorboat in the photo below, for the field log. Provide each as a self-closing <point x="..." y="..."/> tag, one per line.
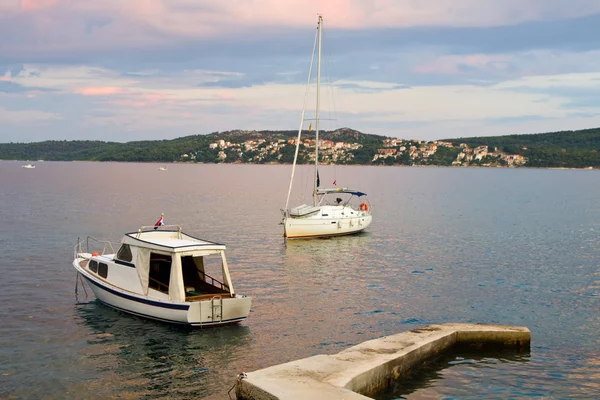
<point x="163" y="168"/>
<point x="161" y="273"/>
<point x="334" y="211"/>
<point x="28" y="166"/>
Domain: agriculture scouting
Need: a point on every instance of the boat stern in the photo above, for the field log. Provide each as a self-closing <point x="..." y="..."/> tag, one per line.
<point x="219" y="310"/>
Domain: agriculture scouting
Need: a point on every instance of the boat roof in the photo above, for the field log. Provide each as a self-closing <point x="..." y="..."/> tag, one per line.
<point x="171" y="240"/>
<point x="341" y="190"/>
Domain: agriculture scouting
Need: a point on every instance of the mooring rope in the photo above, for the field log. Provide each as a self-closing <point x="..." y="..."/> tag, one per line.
<point x="238" y="380"/>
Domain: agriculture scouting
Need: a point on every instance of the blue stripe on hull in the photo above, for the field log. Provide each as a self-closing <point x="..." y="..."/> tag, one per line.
<point x="326" y="235"/>
<point x="229" y="321"/>
<point x="184" y="307"/>
<point x="157" y="304"/>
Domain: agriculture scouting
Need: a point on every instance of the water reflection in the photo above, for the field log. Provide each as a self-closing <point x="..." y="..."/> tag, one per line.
<point x="468" y="370"/>
<point x="143" y="358"/>
<point x="327" y="251"/>
<point x="339" y="287"/>
<point x="475" y="245"/>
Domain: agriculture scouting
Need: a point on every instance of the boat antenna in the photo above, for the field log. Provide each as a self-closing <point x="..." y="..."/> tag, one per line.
<point x="312" y="60"/>
<point x="320" y="30"/>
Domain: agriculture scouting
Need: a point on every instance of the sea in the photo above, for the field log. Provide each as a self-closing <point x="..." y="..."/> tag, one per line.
<point x="479" y="245"/>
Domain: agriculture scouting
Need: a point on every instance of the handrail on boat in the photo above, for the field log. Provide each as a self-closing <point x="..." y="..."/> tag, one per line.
<point x="213" y="280"/>
<point x="78" y="249"/>
<point x="146" y="228"/>
<point x="159" y="284"/>
<point x="106" y="245"/>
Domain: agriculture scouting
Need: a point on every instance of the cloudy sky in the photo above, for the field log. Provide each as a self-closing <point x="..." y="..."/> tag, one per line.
<point x="124" y="70"/>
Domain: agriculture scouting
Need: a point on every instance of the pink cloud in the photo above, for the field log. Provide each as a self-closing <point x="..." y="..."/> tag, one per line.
<point x="32" y="5"/>
<point x="224" y="96"/>
<point x="132" y="20"/>
<point x="99" y="91"/>
<point x="141" y="100"/>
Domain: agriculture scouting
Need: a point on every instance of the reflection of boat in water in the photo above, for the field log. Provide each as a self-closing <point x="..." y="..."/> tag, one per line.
<point x="342" y="252"/>
<point x="163" y="274"/>
<point x="141" y="358"/>
<point x="28" y="166"/>
<point x="163" y="168"/>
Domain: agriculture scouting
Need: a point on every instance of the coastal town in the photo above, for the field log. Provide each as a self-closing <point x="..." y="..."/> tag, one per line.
<point x="387" y="151"/>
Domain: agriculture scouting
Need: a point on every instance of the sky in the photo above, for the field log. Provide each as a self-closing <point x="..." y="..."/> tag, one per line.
<point x="124" y="70"/>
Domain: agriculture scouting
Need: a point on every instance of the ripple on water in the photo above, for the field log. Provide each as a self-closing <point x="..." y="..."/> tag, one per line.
<point x="471" y="245"/>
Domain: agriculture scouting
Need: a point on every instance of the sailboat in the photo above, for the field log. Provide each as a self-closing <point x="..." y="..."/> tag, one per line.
<point x="334" y="211"/>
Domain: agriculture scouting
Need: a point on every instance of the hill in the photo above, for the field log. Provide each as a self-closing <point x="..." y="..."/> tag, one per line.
<point x="164" y="150"/>
<point x="567" y="149"/>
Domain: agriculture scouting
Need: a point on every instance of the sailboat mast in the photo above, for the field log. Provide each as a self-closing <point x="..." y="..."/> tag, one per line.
<point x="312" y="61"/>
<point x="320" y="28"/>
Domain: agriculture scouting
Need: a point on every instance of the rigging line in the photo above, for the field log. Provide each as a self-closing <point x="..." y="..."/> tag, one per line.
<point x="331" y="97"/>
<point x="331" y="87"/>
<point x="312" y="60"/>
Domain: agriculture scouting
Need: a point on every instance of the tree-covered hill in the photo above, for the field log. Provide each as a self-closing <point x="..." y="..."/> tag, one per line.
<point x="568" y="149"/>
<point x="162" y="150"/>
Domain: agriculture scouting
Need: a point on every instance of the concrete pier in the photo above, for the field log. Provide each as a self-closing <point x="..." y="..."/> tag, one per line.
<point x="371" y="366"/>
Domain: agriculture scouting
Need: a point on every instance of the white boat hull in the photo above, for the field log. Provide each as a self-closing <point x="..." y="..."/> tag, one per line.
<point x="216" y="310"/>
<point x="298" y="228"/>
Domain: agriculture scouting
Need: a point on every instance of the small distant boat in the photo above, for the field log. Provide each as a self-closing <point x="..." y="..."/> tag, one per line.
<point x="28" y="166"/>
<point x="161" y="273"/>
<point x="163" y="168"/>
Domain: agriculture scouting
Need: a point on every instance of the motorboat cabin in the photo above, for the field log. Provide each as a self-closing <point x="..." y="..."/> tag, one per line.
<point x="163" y="274"/>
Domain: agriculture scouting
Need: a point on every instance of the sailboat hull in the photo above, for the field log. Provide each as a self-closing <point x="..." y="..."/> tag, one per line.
<point x="299" y="228"/>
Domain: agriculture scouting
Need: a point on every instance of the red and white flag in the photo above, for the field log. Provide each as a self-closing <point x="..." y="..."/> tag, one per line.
<point x="335" y="181"/>
<point x="160" y="222"/>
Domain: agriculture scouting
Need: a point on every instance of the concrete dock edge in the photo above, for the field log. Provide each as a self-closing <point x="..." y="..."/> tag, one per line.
<point x="369" y="367"/>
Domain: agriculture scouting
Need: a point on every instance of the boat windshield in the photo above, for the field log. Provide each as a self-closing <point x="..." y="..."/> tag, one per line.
<point x="343" y="198"/>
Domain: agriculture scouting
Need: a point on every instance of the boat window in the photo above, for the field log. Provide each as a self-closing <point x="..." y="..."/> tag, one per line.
<point x="103" y="270"/>
<point x="160" y="272"/>
<point x="124" y="253"/>
<point x="93" y="266"/>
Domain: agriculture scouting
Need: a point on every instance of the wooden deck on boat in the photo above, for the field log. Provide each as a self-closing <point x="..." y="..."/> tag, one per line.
<point x="208" y="296"/>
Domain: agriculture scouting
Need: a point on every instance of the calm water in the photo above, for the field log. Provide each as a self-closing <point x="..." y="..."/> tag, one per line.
<point x="503" y="246"/>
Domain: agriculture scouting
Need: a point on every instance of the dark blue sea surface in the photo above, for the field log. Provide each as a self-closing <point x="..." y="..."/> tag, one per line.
<point x="501" y="246"/>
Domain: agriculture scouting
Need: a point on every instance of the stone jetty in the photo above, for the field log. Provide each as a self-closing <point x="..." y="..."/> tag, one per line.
<point x="369" y="367"/>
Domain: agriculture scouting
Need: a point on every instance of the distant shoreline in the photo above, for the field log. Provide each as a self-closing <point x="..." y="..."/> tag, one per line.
<point x="322" y="165"/>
